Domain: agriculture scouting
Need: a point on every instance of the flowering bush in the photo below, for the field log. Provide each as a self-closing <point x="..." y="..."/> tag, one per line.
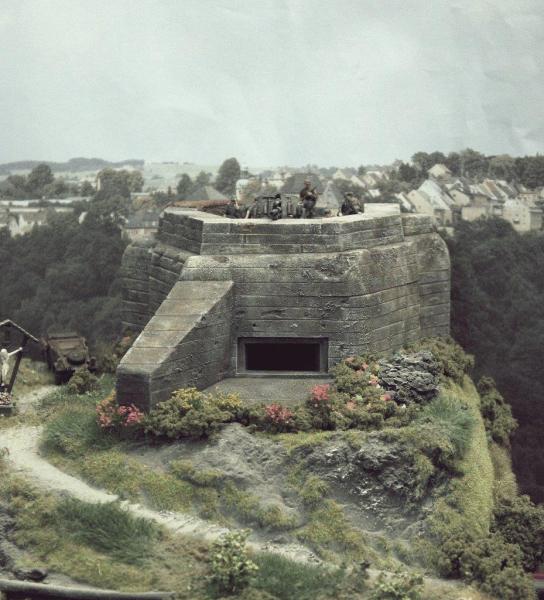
<point x="189" y="413"/>
<point x="326" y="407"/>
<point x="320" y="394"/>
<point x="278" y="418"/>
<point x="113" y="417"/>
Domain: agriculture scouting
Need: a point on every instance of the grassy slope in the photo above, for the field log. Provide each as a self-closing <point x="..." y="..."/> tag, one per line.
<point x="469" y="501"/>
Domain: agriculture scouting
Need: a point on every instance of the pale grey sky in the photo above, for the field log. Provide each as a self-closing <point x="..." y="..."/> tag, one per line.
<point x="333" y="82"/>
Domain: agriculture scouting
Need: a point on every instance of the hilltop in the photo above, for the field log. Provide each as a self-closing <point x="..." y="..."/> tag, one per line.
<point x="409" y="478"/>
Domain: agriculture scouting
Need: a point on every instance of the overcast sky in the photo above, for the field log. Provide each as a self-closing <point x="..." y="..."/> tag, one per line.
<point x="272" y="82"/>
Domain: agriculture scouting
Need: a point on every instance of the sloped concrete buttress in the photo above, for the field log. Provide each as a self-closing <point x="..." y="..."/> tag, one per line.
<point x="187" y="343"/>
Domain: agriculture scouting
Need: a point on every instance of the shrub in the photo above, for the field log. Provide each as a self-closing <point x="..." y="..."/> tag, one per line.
<point x="232" y="569"/>
<point x="490" y="562"/>
<point x="81" y="382"/>
<point x="229" y="403"/>
<point x="117" y="418"/>
<point x="497" y="414"/>
<point x="187" y="414"/>
<point x="521" y="522"/>
<point x="353" y="375"/>
<point x="453" y="361"/>
<point x="107" y="528"/>
<point x="325" y="405"/>
<point x="496" y="567"/>
<point x="397" y="586"/>
<point x="278" y="418"/>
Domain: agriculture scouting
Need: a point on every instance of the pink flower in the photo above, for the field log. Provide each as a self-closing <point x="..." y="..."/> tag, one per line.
<point x="320" y="393"/>
<point x="278" y="414"/>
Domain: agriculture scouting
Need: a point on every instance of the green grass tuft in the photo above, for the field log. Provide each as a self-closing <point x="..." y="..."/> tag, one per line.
<point x="107" y="528"/>
<point x="286" y="579"/>
<point x="73" y="431"/>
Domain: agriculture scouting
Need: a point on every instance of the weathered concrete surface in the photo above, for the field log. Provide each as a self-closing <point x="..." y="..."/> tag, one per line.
<point x="186" y="343"/>
<point x="361" y="282"/>
<point x="290" y="391"/>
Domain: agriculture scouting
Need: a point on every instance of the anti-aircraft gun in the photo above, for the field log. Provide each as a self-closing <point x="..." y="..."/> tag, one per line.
<point x="65" y="353"/>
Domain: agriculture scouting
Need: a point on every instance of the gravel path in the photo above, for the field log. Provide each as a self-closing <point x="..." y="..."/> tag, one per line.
<point x="22" y="444"/>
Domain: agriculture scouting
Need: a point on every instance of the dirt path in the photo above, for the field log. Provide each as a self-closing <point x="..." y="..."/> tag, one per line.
<point x="22" y="444"/>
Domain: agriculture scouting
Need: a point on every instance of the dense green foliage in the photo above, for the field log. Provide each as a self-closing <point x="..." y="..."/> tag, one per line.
<point x="64" y="276"/>
<point x="498" y="315"/>
<point x="497" y="414"/>
<point x="520" y="522"/>
<point x="39" y="183"/>
<point x="190" y="414"/>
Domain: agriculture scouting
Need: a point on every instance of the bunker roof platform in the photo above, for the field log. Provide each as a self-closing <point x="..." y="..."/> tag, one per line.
<point x="204" y="233"/>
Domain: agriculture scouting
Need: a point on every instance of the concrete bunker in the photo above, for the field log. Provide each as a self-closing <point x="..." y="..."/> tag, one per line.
<point x="214" y="297"/>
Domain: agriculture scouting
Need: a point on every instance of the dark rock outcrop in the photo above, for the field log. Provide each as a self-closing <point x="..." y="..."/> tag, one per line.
<point x="410" y="377"/>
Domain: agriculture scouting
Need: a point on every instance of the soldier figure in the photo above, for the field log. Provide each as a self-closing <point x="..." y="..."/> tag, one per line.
<point x="308" y="195"/>
<point x="233" y="209"/>
<point x="252" y="211"/>
<point x="349" y="206"/>
<point x="276" y="209"/>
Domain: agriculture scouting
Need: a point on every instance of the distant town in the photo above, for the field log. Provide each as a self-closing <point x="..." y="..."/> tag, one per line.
<point x="451" y="188"/>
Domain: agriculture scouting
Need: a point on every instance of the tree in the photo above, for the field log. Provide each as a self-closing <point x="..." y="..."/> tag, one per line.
<point x="185" y="186"/>
<point x="40" y="176"/>
<point x="453" y="162"/>
<point x="228" y="175"/>
<point x="202" y="179"/>
<point x="424" y="161"/>
<point x="502" y="167"/>
<point x="408" y="173"/>
<point x="473" y="164"/>
<point x="135" y="181"/>
<point x="361" y="170"/>
<point x="87" y="189"/>
<point x="533" y="172"/>
<point x="113" y="183"/>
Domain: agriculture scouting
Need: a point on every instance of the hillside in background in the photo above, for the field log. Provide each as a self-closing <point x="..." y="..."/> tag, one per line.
<point x="73" y="165"/>
<point x="498" y="315"/>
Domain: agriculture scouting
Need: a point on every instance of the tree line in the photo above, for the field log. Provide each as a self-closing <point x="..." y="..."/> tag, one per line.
<point x="64" y="275"/>
<point x="526" y="170"/>
<point x="498" y="315"/>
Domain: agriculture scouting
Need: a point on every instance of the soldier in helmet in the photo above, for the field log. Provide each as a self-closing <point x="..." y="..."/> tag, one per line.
<point x="276" y="209"/>
<point x="233" y="209"/>
<point x="308" y="195"/>
<point x="349" y="205"/>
